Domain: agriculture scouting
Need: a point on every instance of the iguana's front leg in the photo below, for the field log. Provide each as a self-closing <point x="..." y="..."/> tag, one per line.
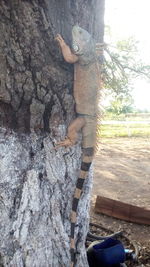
<point x="72" y="132"/>
<point x="66" y="51"/>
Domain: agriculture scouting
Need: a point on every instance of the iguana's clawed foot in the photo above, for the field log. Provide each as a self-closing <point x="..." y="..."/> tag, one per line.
<point x="59" y="39"/>
<point x="67" y="142"/>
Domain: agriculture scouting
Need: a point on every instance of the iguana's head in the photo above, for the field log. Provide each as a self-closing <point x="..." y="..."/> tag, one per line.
<point x="82" y="42"/>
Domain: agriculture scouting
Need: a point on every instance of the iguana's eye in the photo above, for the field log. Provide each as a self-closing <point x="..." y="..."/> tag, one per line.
<point x="75" y="47"/>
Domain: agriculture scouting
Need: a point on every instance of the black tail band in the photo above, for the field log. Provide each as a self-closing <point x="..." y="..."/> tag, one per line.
<point x="75" y="204"/>
<point x="85" y="166"/>
<point x="72" y="255"/>
<point x="72" y="230"/>
<point x="88" y="151"/>
<point x="80" y="183"/>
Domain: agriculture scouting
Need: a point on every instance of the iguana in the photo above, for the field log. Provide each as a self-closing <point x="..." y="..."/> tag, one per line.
<point x="86" y="83"/>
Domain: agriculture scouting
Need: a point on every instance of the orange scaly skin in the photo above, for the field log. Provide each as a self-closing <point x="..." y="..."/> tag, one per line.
<point x="86" y="83"/>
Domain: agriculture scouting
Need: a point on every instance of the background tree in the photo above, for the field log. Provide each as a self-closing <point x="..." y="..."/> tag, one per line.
<point x="36" y="105"/>
<point x="120" y="105"/>
<point x="121" y="66"/>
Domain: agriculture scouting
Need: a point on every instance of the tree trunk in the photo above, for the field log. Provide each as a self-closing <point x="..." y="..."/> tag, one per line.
<point x="36" y="105"/>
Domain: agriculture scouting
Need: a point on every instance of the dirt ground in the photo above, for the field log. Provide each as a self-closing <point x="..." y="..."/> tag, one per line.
<point x="122" y="172"/>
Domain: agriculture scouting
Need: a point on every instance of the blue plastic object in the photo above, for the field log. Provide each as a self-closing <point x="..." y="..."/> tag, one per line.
<point x="109" y="253"/>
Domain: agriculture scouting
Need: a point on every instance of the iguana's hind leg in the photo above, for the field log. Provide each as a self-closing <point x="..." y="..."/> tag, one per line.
<point x="72" y="132"/>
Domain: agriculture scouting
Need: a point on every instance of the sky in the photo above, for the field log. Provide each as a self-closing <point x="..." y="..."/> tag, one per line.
<point x="131" y="18"/>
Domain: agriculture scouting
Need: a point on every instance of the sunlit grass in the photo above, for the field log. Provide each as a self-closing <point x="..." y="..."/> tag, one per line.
<point x="127" y="117"/>
<point x="123" y="130"/>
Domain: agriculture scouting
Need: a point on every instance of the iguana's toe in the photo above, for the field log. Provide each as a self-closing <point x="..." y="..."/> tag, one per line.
<point x="67" y="142"/>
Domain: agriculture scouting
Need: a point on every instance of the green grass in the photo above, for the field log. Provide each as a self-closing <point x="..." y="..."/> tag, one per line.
<point x="122" y="130"/>
<point x="127" y="116"/>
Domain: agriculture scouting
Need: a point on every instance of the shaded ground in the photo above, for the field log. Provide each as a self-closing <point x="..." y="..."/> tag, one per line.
<point x="122" y="172"/>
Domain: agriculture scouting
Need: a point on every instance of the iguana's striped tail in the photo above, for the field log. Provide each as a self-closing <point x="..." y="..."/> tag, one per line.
<point x="87" y="158"/>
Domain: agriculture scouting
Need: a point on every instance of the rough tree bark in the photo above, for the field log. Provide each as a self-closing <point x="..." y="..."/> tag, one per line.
<point x="36" y="105"/>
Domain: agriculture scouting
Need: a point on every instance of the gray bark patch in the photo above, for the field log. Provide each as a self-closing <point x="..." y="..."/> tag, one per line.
<point x="36" y="189"/>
